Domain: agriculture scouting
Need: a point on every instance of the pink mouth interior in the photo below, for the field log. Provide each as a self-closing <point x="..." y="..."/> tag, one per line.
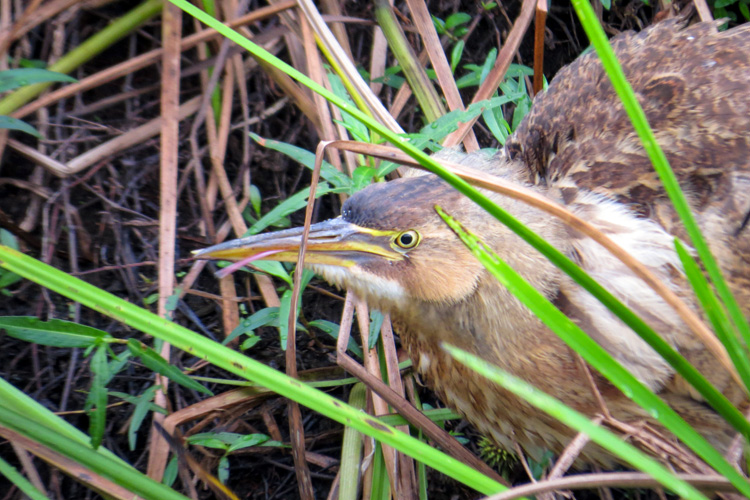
<point x="242" y="263"/>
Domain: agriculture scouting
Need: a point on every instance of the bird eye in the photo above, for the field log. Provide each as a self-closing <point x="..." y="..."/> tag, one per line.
<point x="407" y="240"/>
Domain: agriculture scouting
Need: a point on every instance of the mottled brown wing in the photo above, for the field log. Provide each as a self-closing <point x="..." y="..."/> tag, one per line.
<point x="694" y="85"/>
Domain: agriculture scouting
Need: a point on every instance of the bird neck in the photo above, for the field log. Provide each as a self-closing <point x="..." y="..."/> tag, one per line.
<point x="487" y="322"/>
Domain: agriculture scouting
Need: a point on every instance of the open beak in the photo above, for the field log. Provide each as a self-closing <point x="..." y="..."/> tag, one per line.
<point x="332" y="242"/>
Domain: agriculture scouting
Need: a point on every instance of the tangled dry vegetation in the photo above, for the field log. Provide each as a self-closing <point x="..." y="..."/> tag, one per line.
<point x="173" y="138"/>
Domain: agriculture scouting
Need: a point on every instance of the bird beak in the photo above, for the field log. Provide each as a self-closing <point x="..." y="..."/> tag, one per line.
<point x="333" y="242"/>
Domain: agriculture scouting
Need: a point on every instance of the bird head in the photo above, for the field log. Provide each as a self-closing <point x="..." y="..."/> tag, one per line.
<point x="390" y="246"/>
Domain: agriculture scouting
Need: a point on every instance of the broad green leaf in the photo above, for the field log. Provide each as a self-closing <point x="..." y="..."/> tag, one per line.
<point x="54" y="333"/>
<point x="155" y="362"/>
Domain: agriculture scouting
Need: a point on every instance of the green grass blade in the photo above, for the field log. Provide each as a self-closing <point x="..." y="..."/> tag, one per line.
<point x="55" y="332"/>
<point x="113" y="470"/>
<point x="23" y="484"/>
<point x="714" y="312"/>
<point x="11" y="397"/>
<point x="240" y="365"/>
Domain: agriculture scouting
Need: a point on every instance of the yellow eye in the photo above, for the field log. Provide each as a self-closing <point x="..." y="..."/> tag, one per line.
<point x="407" y="240"/>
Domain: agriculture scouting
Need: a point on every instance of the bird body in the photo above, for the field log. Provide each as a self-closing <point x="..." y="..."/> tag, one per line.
<point x="575" y="147"/>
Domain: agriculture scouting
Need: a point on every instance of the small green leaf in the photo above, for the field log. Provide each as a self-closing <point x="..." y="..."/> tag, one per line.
<point x="332" y="329"/>
<point x="150" y="299"/>
<point x="439" y="25"/>
<point x="31" y="63"/>
<point x="456" y="53"/>
<point x="10" y="123"/>
<point x="362" y="177"/>
<point x="376" y="322"/>
<point x="54" y="333"/>
<point x="255" y="198"/>
<point x="292" y="204"/>
<point x="173" y="300"/>
<point x="14" y="78"/>
<point x="97" y="398"/>
<point x="357" y="128"/>
<point x="8" y="278"/>
<point x="286" y="304"/>
<point x="327" y="171"/>
<point x="222" y="471"/>
<point x="499" y="127"/>
<point x="143" y="406"/>
<point x="457" y="19"/>
<point x="274" y="268"/>
<point x="250" y="440"/>
<point x="264" y="317"/>
<point x="8" y="239"/>
<point x="170" y="473"/>
<point x="155" y="362"/>
<point x="209" y="441"/>
<point x="248" y="343"/>
<point x="489" y="63"/>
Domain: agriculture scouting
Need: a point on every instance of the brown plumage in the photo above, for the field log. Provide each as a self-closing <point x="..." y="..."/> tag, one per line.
<point x="577" y="147"/>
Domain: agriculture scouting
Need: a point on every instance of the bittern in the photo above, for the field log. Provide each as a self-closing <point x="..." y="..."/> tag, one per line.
<point x="576" y="147"/>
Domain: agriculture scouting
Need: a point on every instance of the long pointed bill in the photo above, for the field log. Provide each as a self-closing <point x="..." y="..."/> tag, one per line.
<point x="333" y="242"/>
